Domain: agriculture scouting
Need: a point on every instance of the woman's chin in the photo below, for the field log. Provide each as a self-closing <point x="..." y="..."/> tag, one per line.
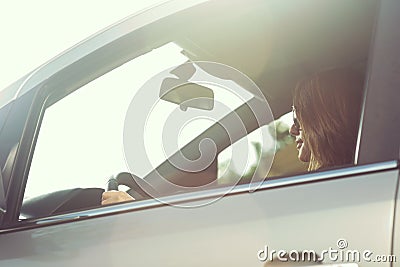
<point x="304" y="159"/>
<point x="303" y="155"/>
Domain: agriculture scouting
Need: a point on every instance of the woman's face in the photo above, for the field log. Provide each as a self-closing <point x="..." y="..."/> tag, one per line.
<point x="296" y="130"/>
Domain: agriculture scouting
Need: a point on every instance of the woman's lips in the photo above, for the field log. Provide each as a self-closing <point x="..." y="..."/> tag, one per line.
<point x="299" y="143"/>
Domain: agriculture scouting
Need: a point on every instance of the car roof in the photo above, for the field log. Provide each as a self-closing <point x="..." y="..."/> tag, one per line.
<point x="291" y="40"/>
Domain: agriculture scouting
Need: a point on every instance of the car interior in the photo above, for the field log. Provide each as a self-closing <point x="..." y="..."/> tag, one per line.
<point x="273" y="43"/>
<point x="275" y="58"/>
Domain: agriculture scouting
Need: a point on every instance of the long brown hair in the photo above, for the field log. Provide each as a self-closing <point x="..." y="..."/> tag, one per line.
<point x="328" y="107"/>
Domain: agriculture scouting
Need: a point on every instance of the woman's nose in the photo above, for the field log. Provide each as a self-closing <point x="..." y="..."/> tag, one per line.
<point x="293" y="130"/>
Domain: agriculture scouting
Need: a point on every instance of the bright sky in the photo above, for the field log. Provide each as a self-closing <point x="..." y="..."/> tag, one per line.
<point x="32" y="32"/>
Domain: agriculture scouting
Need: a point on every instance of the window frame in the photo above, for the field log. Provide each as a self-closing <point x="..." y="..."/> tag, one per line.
<point x="381" y="95"/>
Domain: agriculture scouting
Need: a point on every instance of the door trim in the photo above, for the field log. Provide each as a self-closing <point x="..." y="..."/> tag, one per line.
<point x="277" y="182"/>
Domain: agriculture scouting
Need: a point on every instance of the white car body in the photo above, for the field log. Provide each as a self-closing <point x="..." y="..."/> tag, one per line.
<point x="355" y="205"/>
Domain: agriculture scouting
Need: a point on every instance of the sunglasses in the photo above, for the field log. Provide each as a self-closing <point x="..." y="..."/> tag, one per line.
<point x="295" y="120"/>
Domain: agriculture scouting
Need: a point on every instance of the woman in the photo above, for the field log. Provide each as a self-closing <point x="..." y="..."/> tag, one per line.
<point x="326" y="112"/>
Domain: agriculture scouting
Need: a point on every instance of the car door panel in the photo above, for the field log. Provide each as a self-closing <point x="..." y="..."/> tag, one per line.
<point x="228" y="232"/>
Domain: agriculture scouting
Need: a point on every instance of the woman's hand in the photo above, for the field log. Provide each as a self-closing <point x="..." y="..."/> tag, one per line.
<point x="113" y="196"/>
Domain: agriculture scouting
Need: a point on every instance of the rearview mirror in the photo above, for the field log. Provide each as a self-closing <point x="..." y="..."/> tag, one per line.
<point x="181" y="91"/>
<point x="187" y="95"/>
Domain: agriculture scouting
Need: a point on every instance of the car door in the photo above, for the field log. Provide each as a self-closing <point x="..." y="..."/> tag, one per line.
<point x="339" y="216"/>
<point x="344" y="214"/>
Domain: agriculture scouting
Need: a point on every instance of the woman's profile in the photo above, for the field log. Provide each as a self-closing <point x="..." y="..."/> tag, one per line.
<point x="326" y="112"/>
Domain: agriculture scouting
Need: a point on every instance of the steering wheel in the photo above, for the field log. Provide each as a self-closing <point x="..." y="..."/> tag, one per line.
<point x="139" y="188"/>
